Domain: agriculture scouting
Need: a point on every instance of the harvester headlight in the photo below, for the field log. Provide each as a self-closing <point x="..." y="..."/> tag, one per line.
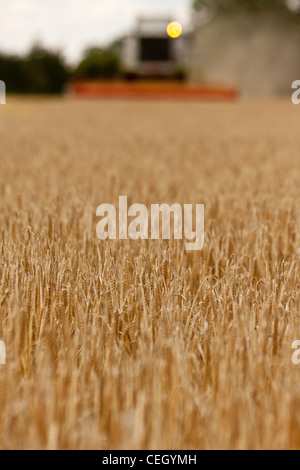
<point x="174" y="30"/>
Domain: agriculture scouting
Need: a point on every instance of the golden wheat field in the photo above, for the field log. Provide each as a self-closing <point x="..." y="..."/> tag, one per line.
<point x="141" y="344"/>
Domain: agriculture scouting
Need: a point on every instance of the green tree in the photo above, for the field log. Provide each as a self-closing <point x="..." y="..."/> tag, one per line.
<point x="47" y="69"/>
<point x="98" y="63"/>
<point x="40" y="71"/>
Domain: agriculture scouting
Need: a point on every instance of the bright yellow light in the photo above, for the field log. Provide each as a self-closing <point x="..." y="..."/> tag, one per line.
<point x="174" y="29"/>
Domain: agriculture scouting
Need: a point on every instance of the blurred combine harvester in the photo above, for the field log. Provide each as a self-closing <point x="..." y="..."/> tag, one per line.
<point x="154" y="59"/>
<point x="157" y="48"/>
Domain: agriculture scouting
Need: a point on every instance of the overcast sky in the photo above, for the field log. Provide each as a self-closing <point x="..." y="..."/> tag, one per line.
<point x="71" y="25"/>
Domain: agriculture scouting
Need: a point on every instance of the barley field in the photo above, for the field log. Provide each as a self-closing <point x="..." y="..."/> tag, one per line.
<point x="141" y="344"/>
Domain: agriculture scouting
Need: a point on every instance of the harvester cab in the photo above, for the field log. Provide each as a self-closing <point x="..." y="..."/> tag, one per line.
<point x="155" y="49"/>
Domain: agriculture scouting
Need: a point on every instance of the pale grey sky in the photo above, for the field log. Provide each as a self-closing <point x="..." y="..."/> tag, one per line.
<point x="71" y="25"/>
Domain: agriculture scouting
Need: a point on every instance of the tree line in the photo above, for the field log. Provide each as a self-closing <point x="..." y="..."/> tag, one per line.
<point x="43" y="71"/>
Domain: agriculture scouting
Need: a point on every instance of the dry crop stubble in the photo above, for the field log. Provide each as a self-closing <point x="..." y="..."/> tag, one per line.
<point x="142" y="345"/>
